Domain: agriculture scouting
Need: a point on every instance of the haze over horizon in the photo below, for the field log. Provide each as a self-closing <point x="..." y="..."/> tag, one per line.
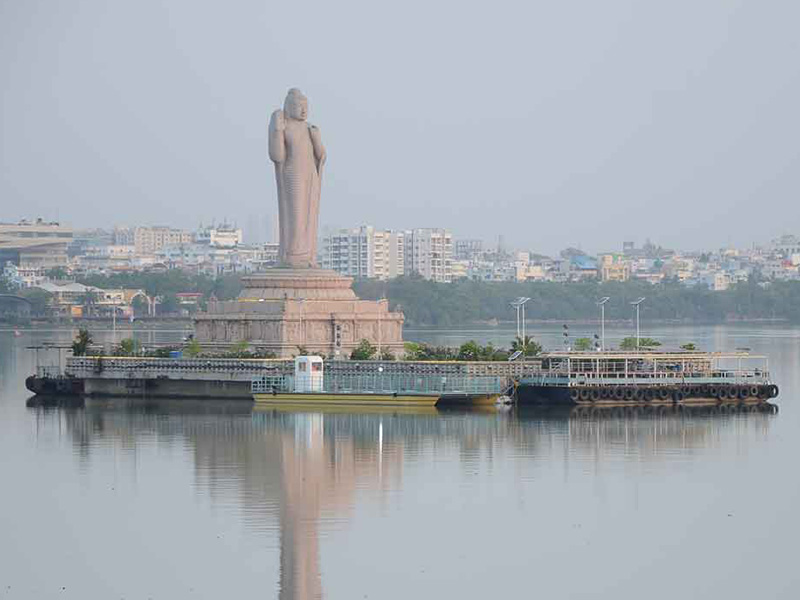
<point x="553" y="124"/>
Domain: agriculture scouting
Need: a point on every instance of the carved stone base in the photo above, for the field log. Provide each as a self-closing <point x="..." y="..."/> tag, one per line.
<point x="284" y="310"/>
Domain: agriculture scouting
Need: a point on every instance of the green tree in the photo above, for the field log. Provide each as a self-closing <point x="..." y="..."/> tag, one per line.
<point x="689" y="347"/>
<point x="364" y="351"/>
<point x="139" y="305"/>
<point x="128" y="347"/>
<point x="40" y="301"/>
<point x="582" y="344"/>
<point x="88" y="301"/>
<point x="169" y="305"/>
<point x="83" y="340"/>
<point x="629" y="343"/>
<point x="470" y="350"/>
<point x="240" y="349"/>
<point x="193" y="348"/>
<point x="527" y="345"/>
<point x="388" y="355"/>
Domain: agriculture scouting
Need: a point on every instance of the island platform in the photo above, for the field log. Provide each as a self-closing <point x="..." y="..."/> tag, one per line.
<point x="568" y="378"/>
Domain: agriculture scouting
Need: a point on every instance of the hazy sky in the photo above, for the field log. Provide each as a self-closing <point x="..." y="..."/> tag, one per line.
<point x="553" y="123"/>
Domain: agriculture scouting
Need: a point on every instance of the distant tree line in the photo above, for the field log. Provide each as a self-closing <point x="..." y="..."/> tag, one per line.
<point x="465" y="302"/>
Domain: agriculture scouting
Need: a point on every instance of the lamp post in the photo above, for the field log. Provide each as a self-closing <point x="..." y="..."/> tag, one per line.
<point x="636" y="303"/>
<point x="516" y="307"/>
<point x="602" y="304"/>
<point x="518" y="304"/>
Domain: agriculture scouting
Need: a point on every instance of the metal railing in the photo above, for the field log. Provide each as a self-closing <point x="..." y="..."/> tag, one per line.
<point x="650" y="369"/>
<point x="388" y="384"/>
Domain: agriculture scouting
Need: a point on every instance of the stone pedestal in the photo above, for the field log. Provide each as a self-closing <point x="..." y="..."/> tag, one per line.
<point x="282" y="310"/>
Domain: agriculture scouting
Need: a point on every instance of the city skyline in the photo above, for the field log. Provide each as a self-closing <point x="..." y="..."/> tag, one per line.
<point x="570" y="131"/>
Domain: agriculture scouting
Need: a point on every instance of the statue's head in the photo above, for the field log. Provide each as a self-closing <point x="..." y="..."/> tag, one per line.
<point x="296" y="105"/>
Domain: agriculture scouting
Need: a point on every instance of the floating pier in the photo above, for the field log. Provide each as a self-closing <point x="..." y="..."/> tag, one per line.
<point x="565" y="378"/>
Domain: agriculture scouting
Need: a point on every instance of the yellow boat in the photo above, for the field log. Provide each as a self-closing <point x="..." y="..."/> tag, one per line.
<point x="375" y="400"/>
<point x="307" y="389"/>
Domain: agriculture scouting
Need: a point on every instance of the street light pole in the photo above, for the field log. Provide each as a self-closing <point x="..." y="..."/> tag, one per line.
<point x="523" y="320"/>
<point x="602" y="304"/>
<point x="516" y="307"/>
<point x="517" y="304"/>
<point x="636" y="304"/>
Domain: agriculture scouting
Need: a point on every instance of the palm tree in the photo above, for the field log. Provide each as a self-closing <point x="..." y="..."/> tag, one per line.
<point x="527" y="345"/>
<point x="88" y="301"/>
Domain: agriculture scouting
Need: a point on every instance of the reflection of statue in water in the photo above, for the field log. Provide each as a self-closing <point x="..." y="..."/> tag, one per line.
<point x="295" y="147"/>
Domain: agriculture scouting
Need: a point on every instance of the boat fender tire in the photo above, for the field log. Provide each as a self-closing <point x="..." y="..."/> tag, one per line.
<point x="678" y="396"/>
<point x="604" y="393"/>
<point x="773" y="391"/>
<point x="713" y="391"/>
<point x="722" y="393"/>
<point x="733" y="393"/>
<point x="638" y="394"/>
<point x="744" y="392"/>
<point x="663" y="393"/>
<point x="619" y="393"/>
<point x="629" y="394"/>
<point x="574" y="394"/>
<point x="584" y="394"/>
<point x="595" y="394"/>
<point x="649" y="394"/>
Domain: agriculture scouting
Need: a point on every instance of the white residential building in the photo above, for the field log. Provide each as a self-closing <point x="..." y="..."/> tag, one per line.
<point x="149" y="240"/>
<point x="364" y="252"/>
<point x="219" y="236"/>
<point x="429" y="252"/>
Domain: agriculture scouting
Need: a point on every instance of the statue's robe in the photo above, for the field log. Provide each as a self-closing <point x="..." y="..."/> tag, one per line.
<point x="296" y="152"/>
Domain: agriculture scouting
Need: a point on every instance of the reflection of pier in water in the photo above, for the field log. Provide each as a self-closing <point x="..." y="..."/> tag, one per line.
<point x="306" y="469"/>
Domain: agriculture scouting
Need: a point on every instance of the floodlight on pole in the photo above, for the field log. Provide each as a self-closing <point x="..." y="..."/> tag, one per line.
<point x="518" y="304"/>
<point x="516" y="307"/>
<point x="602" y="304"/>
<point x="636" y="303"/>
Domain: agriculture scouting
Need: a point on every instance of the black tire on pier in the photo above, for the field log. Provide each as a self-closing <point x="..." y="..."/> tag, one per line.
<point x="722" y="393"/>
<point x="629" y="394"/>
<point x="619" y="392"/>
<point x="704" y="392"/>
<point x="753" y="391"/>
<point x="638" y="394"/>
<point x="585" y="394"/>
<point x="664" y="393"/>
<point x="744" y="392"/>
<point x="713" y="391"/>
<point x="678" y="395"/>
<point x="773" y="391"/>
<point x="574" y="394"/>
<point x="594" y="394"/>
<point x="649" y="394"/>
<point x="763" y="392"/>
<point x="733" y="393"/>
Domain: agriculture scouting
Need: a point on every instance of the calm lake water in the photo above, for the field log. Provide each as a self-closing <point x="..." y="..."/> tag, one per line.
<point x="203" y="499"/>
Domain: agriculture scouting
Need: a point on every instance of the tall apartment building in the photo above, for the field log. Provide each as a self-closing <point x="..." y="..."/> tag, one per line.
<point x="429" y="252"/>
<point x="364" y="252"/>
<point x="34" y="247"/>
<point x="149" y="240"/>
